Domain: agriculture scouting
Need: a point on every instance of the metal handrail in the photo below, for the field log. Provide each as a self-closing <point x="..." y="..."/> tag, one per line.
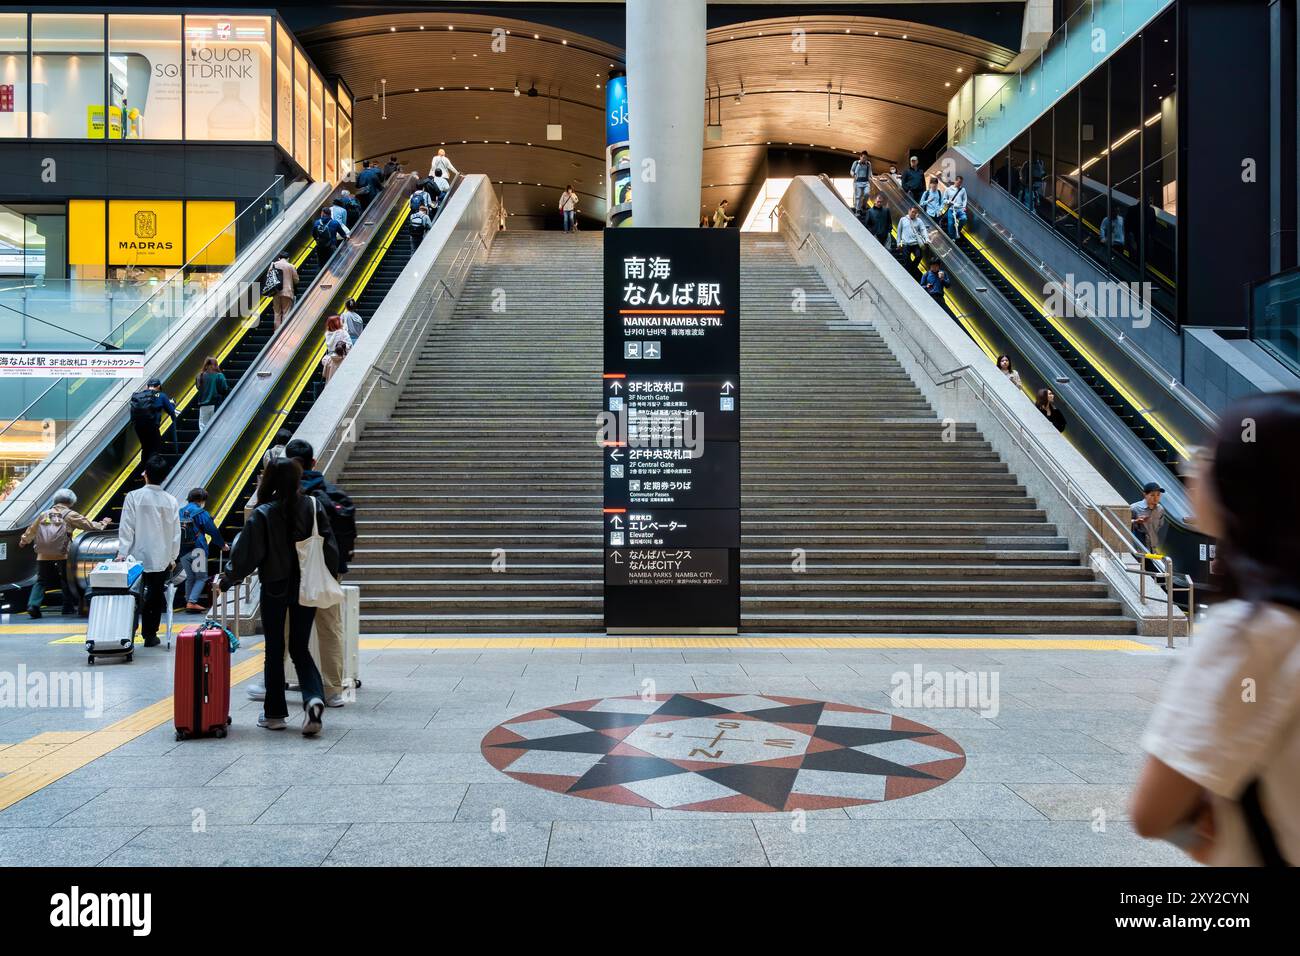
<point x="404" y="353"/>
<point x="1051" y="470"/>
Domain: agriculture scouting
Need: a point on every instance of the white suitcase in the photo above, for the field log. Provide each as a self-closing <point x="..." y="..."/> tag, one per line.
<point x="110" y="632"/>
<point x="351" y="609"/>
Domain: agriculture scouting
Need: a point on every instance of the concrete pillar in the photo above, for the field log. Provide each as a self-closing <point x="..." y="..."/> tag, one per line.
<point x="666" y="63"/>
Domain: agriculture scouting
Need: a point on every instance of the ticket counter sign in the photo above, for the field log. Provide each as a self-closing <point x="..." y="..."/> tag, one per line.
<point x="670" y="413"/>
<point x="30" y="364"/>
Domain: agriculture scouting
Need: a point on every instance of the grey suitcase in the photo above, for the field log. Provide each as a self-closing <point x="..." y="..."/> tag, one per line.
<point x="114" y="617"/>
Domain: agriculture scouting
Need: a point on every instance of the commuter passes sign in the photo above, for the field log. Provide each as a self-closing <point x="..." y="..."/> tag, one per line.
<point x="670" y="418"/>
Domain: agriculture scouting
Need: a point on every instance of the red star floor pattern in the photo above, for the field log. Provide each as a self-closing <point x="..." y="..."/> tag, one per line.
<point x="739" y="753"/>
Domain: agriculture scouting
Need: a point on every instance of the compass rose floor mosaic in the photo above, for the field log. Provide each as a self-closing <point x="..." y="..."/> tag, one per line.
<point x="742" y="753"/>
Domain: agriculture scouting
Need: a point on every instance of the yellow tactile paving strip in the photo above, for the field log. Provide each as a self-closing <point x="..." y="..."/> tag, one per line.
<point x="38" y="762"/>
<point x="773" y="643"/>
<point x="712" y="643"/>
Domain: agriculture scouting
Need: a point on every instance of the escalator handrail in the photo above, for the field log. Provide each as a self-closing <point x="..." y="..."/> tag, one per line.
<point x="1034" y="450"/>
<point x="1157" y="372"/>
<point x="254" y="366"/>
<point x="1178" y="517"/>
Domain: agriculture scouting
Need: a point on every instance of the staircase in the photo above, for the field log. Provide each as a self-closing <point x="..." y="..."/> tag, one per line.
<point x="479" y="500"/>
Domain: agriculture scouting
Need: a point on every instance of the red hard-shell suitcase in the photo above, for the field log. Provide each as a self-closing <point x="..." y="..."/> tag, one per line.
<point x="202" y="682"/>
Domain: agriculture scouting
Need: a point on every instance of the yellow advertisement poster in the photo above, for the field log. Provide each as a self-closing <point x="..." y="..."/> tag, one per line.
<point x="145" y="233"/>
<point x="87" y="220"/>
<point x="209" y="235"/>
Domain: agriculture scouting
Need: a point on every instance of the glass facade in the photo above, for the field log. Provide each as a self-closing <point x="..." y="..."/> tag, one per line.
<point x="67" y="91"/>
<point x="144" y="76"/>
<point x="13" y="74"/>
<point x="172" y="77"/>
<point x="284" y="89"/>
<point x="1102" y="165"/>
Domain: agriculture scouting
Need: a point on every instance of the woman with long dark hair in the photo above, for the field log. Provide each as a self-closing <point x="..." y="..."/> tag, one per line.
<point x="1222" y="779"/>
<point x="268" y="546"/>
<point x="210" y="387"/>
<point x="1047" y="405"/>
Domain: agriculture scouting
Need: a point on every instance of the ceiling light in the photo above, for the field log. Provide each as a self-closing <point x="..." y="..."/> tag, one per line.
<point x="517" y="93"/>
<point x="392" y="29"/>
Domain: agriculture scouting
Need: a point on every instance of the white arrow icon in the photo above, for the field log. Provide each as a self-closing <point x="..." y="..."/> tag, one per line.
<point x="615" y="455"/>
<point x="616" y="385"/>
<point x="726" y="388"/>
<point x="617" y="556"/>
<point x="616" y="521"/>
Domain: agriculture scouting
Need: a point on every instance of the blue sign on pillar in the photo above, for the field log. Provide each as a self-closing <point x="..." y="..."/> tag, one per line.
<point x="616" y="111"/>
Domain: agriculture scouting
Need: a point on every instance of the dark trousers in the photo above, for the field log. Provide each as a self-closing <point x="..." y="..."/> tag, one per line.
<point x="914" y="256"/>
<point x="150" y="437"/>
<point x="51" y="576"/>
<point x="154" y="585"/>
<point x="279" y="598"/>
<point x="417" y="237"/>
<point x="939" y="301"/>
<point x="323" y="254"/>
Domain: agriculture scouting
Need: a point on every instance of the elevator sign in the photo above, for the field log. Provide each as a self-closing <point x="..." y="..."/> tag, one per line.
<point x="670" y="430"/>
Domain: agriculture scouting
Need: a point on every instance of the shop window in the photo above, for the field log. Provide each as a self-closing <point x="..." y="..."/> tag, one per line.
<point x="284" y="89"/>
<point x="331" y="139"/>
<point x="345" y="146"/>
<point x="13" y="74"/>
<point x="301" y="150"/>
<point x="228" y="78"/>
<point x="1066" y="211"/>
<point x="144" y="76"/>
<point x="317" y="127"/>
<point x="67" y="94"/>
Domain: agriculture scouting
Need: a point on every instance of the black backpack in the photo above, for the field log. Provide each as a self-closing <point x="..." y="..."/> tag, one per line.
<point x="343" y="519"/>
<point x="274" y="281"/>
<point x="144" y="407"/>
<point x="322" y="233"/>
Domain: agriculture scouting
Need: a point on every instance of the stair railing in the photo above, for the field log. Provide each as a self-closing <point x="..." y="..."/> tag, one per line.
<point x="407" y="338"/>
<point x="1130" y="557"/>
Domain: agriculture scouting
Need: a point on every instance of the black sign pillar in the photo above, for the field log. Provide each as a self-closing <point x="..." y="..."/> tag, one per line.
<point x="670" y="431"/>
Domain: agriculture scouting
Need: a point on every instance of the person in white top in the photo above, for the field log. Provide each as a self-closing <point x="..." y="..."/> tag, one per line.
<point x="1222" y="779"/>
<point x="443" y="163"/>
<point x="569" y="207"/>
<point x="151" y="533"/>
<point x="1004" y="366"/>
<point x="912" y="237"/>
<point x="955" y="198"/>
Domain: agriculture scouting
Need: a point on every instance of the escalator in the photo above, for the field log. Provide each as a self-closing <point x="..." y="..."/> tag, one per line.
<point x="1128" y="443"/>
<point x="235" y="362"/>
<point x="1122" y="409"/>
<point x="368" y="288"/>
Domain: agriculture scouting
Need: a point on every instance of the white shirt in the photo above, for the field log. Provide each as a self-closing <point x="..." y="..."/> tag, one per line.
<point x="955" y="198"/>
<point x="151" y="528"/>
<point x="1204" y="729"/>
<point x="332" y="339"/>
<point x="448" y="168"/>
<point x="911" y="232"/>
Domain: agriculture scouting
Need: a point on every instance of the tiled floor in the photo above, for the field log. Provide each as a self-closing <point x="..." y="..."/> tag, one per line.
<point x="398" y="776"/>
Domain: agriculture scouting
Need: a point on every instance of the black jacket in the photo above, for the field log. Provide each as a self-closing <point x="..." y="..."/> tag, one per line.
<point x="263" y="546"/>
<point x="878" y="222"/>
<point x="913" y="180"/>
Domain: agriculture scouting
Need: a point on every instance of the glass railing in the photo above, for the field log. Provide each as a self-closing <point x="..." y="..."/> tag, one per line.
<point x="1275" y="317"/>
<point x="137" y="309"/>
<point x="38" y="414"/>
<point x="992" y="109"/>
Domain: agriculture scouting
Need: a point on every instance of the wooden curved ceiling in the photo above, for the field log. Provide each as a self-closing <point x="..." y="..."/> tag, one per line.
<point x="451" y="87"/>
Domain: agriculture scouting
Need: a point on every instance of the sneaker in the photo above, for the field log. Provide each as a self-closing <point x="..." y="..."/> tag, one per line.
<point x="271" y="723"/>
<point x="311" y="724"/>
<point x="257" y="692"/>
<point x="335" y="700"/>
<point x="151" y="642"/>
<point x="35" y="612"/>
